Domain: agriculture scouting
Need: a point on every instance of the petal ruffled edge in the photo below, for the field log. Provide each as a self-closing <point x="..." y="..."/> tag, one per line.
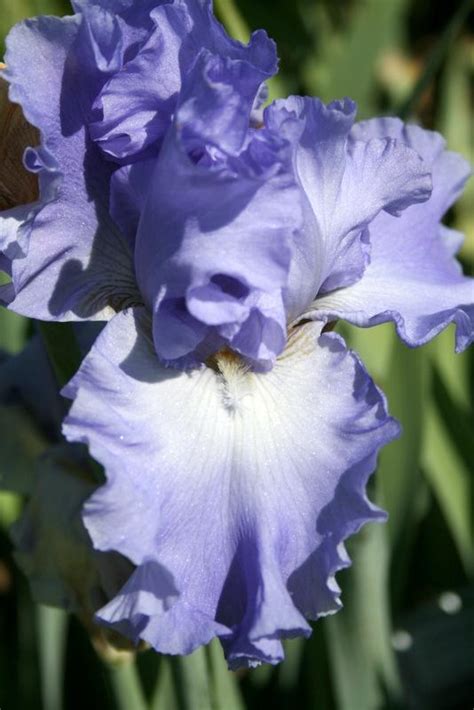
<point x="153" y="605"/>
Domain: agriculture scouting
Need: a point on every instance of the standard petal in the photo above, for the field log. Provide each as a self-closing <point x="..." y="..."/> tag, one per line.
<point x="217" y="260"/>
<point x="112" y="5"/>
<point x="128" y="192"/>
<point x="232" y="491"/>
<point x="136" y="107"/>
<point x="78" y="265"/>
<point x="413" y="278"/>
<point x="345" y="184"/>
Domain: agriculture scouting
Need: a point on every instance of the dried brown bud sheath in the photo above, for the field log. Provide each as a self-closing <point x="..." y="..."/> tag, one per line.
<point x="17" y="185"/>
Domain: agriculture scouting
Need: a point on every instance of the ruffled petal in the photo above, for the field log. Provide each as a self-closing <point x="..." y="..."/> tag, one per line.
<point x="77" y="265"/>
<point x="136" y="106"/>
<point x="213" y="244"/>
<point x="345" y="183"/>
<point x="449" y="170"/>
<point x="413" y="278"/>
<point x="231" y="491"/>
<point x="134" y="19"/>
<point x="117" y="6"/>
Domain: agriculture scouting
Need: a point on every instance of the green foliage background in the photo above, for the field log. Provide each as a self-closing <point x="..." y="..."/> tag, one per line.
<point x="405" y="638"/>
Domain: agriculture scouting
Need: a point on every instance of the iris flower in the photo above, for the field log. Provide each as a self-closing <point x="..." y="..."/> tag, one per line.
<point x="219" y="241"/>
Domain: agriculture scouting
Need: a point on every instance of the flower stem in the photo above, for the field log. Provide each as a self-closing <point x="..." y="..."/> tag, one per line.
<point x="127" y="686"/>
<point x="191" y="681"/>
<point x="52" y="628"/>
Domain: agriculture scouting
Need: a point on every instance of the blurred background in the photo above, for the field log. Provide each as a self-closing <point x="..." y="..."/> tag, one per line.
<point x="405" y="638"/>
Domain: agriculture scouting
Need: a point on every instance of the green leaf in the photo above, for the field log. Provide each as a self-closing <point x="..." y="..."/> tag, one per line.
<point x="459" y="421"/>
<point x="13" y="329"/>
<point x="229" y="14"/>
<point x="401" y="373"/>
<point x="454" y="369"/>
<point x="399" y="469"/>
<point x="455" y="124"/>
<point x="449" y="479"/>
<point x="435" y="59"/>
<point x="359" y="637"/>
<point x="345" y="60"/>
<point x="13" y="12"/>
<point x="10" y="509"/>
<point x="374" y="345"/>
